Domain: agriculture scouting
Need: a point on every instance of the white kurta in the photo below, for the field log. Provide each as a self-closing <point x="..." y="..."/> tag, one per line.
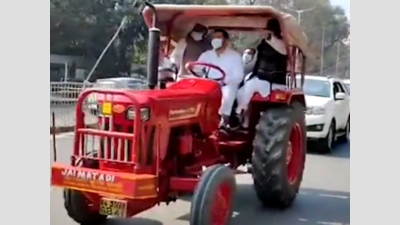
<point x="230" y="61"/>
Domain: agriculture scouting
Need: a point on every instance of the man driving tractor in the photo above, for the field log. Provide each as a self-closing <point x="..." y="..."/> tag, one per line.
<point x="230" y="61"/>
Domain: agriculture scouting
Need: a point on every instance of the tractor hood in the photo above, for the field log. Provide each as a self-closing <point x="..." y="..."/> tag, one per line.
<point x="145" y="97"/>
<point x="187" y="89"/>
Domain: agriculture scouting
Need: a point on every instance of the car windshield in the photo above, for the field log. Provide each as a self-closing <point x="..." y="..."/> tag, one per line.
<point x="320" y="88"/>
<point x="105" y="84"/>
<point x="137" y="84"/>
<point x="347" y="87"/>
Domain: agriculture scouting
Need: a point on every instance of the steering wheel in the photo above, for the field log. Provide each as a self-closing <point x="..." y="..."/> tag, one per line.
<point x="190" y="65"/>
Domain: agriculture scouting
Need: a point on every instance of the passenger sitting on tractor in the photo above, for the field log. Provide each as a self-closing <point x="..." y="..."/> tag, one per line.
<point x="190" y="48"/>
<point x="270" y="68"/>
<point x="230" y="61"/>
<point x="249" y="59"/>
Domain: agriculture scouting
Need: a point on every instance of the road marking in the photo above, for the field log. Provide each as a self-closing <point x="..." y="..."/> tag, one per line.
<point x="329" y="223"/>
<point x="322" y="222"/>
<point x="334" y="196"/>
<point x="326" y="195"/>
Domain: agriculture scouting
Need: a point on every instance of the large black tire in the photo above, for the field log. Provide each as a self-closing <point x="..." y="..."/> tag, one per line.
<point x="206" y="194"/>
<point x="77" y="208"/>
<point x="325" y="145"/>
<point x="270" y="144"/>
<point x="345" y="137"/>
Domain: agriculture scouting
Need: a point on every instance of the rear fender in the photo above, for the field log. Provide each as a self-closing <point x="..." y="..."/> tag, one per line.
<point x="280" y="97"/>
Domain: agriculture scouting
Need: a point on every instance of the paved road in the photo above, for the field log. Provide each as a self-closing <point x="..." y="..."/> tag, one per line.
<point x="324" y="198"/>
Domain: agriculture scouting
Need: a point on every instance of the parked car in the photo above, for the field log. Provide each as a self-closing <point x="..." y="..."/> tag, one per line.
<point x="347" y="85"/>
<point x="327" y="112"/>
<point x="114" y="83"/>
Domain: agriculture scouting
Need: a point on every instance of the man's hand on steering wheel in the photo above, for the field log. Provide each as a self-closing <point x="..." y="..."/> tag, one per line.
<point x="190" y="68"/>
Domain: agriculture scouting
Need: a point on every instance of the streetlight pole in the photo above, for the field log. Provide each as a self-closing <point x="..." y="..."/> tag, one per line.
<point x="322" y="51"/>
<point x="299" y="12"/>
<point x="337" y="57"/>
<point x="346" y="42"/>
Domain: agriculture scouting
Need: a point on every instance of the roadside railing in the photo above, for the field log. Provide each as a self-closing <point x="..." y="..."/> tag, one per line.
<point x="63" y="99"/>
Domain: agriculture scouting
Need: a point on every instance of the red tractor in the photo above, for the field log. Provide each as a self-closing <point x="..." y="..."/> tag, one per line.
<point x="155" y="145"/>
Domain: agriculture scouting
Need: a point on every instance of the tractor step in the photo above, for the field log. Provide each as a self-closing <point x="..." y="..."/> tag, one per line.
<point x="234" y="141"/>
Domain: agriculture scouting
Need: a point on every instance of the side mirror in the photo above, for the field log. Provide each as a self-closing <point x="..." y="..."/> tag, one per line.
<point x="340" y="96"/>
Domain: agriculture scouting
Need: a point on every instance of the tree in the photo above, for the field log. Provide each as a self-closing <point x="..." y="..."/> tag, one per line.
<point x="84" y="27"/>
<point x="324" y="18"/>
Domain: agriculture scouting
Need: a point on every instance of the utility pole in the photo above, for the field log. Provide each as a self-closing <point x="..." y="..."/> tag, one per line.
<point x="321" y="71"/>
<point x="299" y="12"/>
<point x="337" y="57"/>
<point x="346" y="42"/>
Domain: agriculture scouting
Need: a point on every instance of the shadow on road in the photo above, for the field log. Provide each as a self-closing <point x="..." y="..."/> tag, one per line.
<point x="132" y="221"/>
<point x="312" y="207"/>
<point x="340" y="150"/>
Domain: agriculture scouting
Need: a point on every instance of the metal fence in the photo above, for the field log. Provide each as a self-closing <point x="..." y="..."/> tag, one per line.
<point x="64" y="96"/>
<point x="63" y="99"/>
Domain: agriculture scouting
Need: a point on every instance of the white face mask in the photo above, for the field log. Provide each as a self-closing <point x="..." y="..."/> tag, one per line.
<point x="247" y="58"/>
<point x="216" y="43"/>
<point x="196" y="36"/>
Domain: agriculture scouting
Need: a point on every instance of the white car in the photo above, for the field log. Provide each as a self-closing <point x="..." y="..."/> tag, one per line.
<point x="328" y="111"/>
<point x="114" y="83"/>
<point x="347" y="85"/>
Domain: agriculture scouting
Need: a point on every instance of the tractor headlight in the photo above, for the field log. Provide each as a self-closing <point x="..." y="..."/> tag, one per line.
<point x="144" y="113"/>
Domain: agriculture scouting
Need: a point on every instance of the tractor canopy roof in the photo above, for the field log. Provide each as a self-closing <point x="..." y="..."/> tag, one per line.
<point x="177" y="21"/>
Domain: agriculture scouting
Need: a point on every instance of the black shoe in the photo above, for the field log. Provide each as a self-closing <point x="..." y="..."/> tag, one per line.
<point x="241" y="129"/>
<point x="236" y="122"/>
<point x="224" y="124"/>
<point x="224" y="121"/>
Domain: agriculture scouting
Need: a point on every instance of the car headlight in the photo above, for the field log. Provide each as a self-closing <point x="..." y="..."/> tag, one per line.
<point x="92" y="105"/>
<point x="144" y="113"/>
<point x="91" y="101"/>
<point x="315" y="110"/>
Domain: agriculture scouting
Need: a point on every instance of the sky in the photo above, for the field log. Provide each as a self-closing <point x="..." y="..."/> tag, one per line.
<point x="343" y="3"/>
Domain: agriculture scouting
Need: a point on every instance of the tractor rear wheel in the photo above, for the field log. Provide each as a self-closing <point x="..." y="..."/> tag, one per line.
<point x="279" y="151"/>
<point x="212" y="202"/>
<point x="78" y="209"/>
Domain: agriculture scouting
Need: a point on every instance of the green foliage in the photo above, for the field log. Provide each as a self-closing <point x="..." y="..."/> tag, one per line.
<point x="84" y="27"/>
<point x="323" y="18"/>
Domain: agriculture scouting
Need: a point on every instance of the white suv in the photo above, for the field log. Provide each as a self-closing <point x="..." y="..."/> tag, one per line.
<point x="328" y="111"/>
<point x="347" y="85"/>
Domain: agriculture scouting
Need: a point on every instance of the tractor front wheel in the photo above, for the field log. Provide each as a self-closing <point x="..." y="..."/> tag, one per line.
<point x="213" y="197"/>
<point x="78" y="208"/>
<point x="279" y="154"/>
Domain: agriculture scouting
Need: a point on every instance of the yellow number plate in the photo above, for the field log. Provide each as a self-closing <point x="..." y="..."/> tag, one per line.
<point x="107" y="108"/>
<point x="113" y="207"/>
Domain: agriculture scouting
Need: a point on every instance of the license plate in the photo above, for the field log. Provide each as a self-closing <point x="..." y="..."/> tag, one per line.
<point x="113" y="207"/>
<point x="106" y="108"/>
